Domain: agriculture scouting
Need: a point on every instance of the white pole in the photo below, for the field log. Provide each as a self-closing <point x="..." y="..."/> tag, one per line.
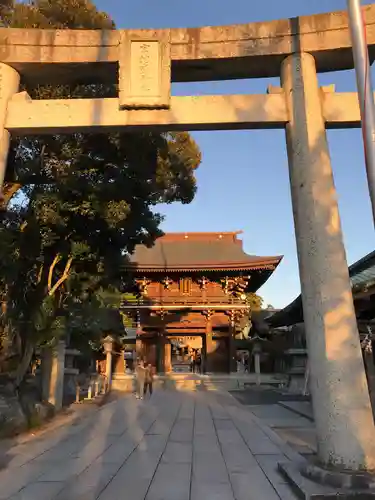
<point x="365" y="92"/>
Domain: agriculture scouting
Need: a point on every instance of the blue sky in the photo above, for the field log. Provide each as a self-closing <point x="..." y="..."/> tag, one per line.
<point x="243" y="178"/>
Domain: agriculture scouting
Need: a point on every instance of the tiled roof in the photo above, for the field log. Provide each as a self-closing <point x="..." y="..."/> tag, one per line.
<point x="361" y="272"/>
<point x="199" y="251"/>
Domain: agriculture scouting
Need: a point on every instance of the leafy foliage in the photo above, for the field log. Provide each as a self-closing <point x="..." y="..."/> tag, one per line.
<point x="255" y="301"/>
<point x="82" y="203"/>
<point x="73" y="14"/>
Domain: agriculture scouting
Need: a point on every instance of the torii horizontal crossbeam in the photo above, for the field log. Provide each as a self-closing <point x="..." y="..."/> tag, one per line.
<point x="208" y="53"/>
<point x="218" y="112"/>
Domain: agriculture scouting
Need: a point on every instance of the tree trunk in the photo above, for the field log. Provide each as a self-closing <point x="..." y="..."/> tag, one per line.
<point x="7" y="348"/>
<point x="19" y="374"/>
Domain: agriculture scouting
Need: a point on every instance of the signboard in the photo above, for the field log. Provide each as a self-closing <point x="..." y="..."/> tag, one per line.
<point x="131" y="333"/>
<point x="144" y="70"/>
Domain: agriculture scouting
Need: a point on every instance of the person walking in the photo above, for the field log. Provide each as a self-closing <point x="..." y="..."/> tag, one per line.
<point x="192" y="363"/>
<point x="149" y="379"/>
<point x="198" y="363"/>
<point x="246" y="363"/>
<point x="140" y="375"/>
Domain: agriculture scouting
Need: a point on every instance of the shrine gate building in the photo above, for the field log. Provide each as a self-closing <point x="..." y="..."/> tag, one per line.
<point x="191" y="296"/>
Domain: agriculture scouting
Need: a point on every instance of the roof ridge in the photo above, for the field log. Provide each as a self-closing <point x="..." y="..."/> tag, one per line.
<point x="200" y="233"/>
<point x="202" y="236"/>
<point x="199" y="251"/>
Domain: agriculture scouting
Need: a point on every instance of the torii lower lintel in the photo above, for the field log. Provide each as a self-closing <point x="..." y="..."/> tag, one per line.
<point x="26" y="116"/>
<point x="211" y="112"/>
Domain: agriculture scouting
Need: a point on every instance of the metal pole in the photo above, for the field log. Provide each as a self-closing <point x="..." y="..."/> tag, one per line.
<point x="365" y="92"/>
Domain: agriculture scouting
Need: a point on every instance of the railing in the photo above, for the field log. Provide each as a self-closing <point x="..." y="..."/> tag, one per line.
<point x="183" y="300"/>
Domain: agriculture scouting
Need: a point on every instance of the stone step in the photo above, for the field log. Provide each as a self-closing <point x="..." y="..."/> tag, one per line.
<point x="128" y="385"/>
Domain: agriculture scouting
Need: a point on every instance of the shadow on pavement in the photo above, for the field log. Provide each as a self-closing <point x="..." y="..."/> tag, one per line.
<point x="263" y="396"/>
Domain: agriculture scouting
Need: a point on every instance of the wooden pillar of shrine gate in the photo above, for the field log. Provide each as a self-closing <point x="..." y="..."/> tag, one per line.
<point x="208" y="347"/>
<point x="164" y="353"/>
<point x="342" y="409"/>
<point x="167" y="356"/>
<point x="159" y="352"/>
<point x="232" y="352"/>
<point x="9" y="84"/>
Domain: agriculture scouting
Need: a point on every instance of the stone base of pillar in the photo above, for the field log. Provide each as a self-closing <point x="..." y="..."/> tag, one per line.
<point x="311" y="481"/>
<point x="53" y="367"/>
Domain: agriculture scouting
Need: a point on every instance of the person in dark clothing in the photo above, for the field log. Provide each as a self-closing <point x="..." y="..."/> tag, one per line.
<point x="198" y="362"/>
<point x="192" y="363"/>
<point x="246" y="363"/>
<point x="149" y="379"/>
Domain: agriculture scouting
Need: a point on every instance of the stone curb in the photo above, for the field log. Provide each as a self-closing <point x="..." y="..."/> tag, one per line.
<point x="297" y="412"/>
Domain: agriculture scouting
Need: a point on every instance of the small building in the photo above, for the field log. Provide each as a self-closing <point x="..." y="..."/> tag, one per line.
<point x="190" y="296"/>
<point x="362" y="277"/>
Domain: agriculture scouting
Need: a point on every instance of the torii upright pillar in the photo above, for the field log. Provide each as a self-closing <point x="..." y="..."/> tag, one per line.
<point x="9" y="84"/>
<point x="342" y="410"/>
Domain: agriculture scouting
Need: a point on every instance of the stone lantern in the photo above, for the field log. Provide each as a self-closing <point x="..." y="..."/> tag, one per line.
<point x="108" y="342"/>
<point x="256" y="351"/>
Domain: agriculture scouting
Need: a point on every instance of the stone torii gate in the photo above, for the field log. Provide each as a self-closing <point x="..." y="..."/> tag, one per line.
<point x="144" y="63"/>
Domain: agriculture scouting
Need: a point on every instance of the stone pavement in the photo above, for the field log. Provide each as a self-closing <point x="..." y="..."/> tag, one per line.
<point x="291" y="426"/>
<point x="291" y="419"/>
<point x="176" y="446"/>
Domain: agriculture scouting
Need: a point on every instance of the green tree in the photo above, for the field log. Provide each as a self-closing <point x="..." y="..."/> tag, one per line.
<point x="88" y="321"/>
<point x="255" y="301"/>
<point x="83" y="202"/>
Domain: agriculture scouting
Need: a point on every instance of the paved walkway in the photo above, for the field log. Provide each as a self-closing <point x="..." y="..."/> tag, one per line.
<point x="177" y="446"/>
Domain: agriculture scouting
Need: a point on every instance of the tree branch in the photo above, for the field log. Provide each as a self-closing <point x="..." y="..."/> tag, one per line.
<point x="51" y="269"/>
<point x="63" y="278"/>
<point x="40" y="273"/>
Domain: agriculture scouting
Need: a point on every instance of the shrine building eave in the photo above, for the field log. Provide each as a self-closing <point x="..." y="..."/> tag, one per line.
<point x="198" y="252"/>
<point x="261" y="265"/>
<point x="362" y="278"/>
<point x="214" y="254"/>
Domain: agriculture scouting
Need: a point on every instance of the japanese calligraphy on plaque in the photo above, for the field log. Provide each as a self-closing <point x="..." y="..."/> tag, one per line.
<point x="144" y="70"/>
